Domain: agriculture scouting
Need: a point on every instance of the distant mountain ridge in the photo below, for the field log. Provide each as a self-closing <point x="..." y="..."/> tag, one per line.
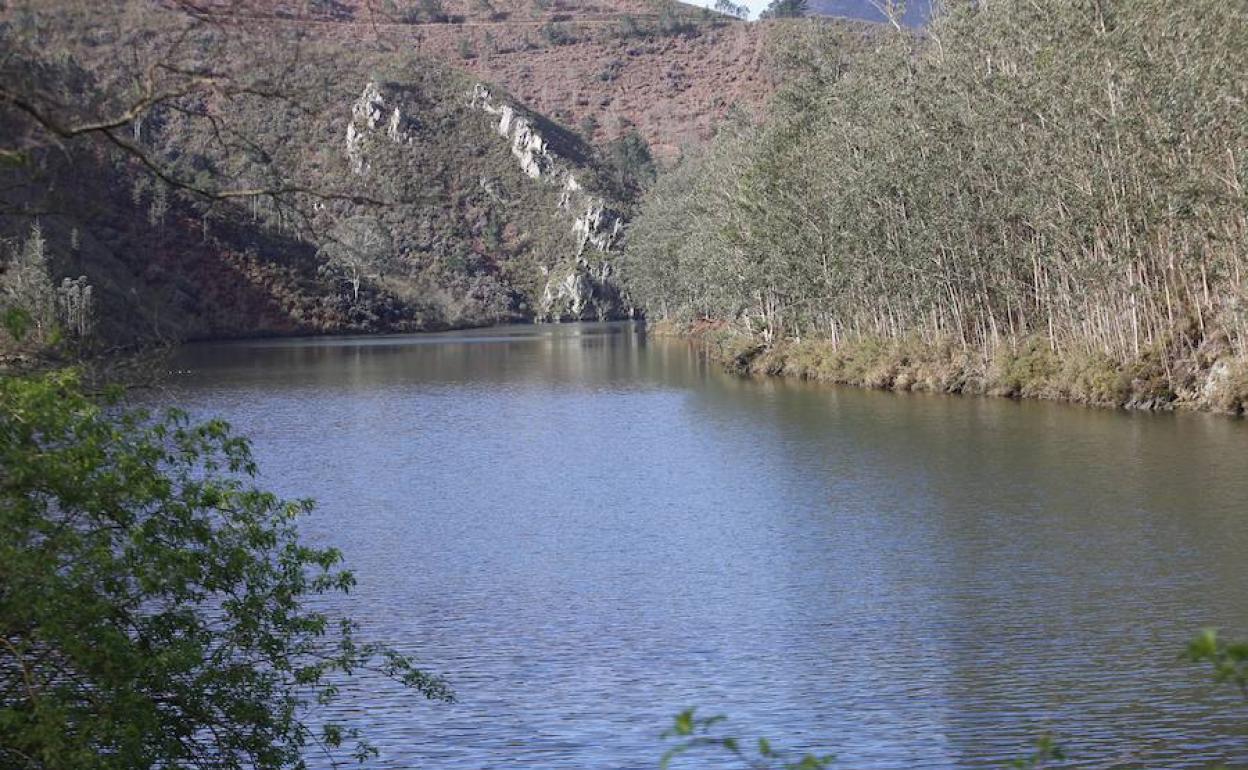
<point x="916" y="12"/>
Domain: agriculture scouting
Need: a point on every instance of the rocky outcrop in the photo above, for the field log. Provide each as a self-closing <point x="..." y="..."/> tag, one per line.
<point x="582" y="292"/>
<point x="581" y="289"/>
<point x="526" y="143"/>
<point x="1225" y="386"/>
<point x="578" y="285"/>
<point x="373" y="110"/>
<point x="598" y="226"/>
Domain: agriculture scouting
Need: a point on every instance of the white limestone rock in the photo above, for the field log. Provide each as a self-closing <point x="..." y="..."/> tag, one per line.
<point x="598" y="225"/>
<point x="368" y="114"/>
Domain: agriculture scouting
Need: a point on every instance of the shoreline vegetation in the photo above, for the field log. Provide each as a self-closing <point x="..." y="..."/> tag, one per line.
<point x="1043" y="200"/>
<point x="1021" y="368"/>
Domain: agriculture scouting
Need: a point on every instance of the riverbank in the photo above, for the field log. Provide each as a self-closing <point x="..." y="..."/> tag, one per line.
<point x="1208" y="378"/>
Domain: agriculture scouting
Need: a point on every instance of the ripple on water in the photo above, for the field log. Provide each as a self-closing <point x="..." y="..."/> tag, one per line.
<point x="589" y="531"/>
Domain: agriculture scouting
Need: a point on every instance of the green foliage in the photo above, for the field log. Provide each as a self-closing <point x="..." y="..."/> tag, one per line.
<point x="1229" y="660"/>
<point x="155" y="606"/>
<point x="785" y="9"/>
<point x="13" y="158"/>
<point x="557" y="33"/>
<point x="675" y="22"/>
<point x="433" y="11"/>
<point x="629" y="27"/>
<point x="37" y="313"/>
<point x="702" y="735"/>
<point x="672" y="21"/>
<point x="611" y="70"/>
<point x="588" y="127"/>
<point x="1028" y="367"/>
<point x="631" y="166"/>
<point x="27" y="293"/>
<point x="16" y="321"/>
<point x="1046" y="752"/>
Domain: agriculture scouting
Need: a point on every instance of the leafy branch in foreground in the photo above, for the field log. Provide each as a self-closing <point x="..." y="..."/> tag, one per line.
<point x="168" y="64"/>
<point x="154" y="604"/>
<point x="695" y="733"/>
<point x="1228" y="659"/>
<point x="1046" y="750"/>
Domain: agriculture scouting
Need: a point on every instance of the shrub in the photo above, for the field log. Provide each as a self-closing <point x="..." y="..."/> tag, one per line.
<point x="154" y="605"/>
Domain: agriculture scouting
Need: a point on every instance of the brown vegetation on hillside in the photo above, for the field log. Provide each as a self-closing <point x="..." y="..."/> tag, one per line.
<point x="202" y="176"/>
<point x="666" y="70"/>
<point x="211" y="205"/>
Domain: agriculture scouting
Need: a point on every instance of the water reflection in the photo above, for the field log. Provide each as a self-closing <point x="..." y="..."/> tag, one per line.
<point x="589" y="530"/>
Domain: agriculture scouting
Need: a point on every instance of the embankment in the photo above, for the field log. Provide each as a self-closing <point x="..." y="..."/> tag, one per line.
<point x="1207" y="379"/>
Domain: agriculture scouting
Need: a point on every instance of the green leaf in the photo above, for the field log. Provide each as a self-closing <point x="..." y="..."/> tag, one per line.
<point x="17" y="322"/>
<point x="141" y="568"/>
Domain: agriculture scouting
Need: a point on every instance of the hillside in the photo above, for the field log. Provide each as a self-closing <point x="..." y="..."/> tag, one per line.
<point x="405" y="194"/>
<point x="667" y="70"/>
<point x="357" y="166"/>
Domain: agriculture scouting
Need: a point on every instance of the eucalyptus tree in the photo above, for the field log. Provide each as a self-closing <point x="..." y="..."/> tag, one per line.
<point x="784" y="9"/>
<point x="1063" y="172"/>
<point x="729" y="8"/>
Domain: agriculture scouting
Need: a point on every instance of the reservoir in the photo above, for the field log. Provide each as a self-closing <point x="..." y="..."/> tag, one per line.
<point x="588" y="530"/>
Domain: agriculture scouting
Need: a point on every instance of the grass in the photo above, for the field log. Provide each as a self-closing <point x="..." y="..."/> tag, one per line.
<point x="1023" y="368"/>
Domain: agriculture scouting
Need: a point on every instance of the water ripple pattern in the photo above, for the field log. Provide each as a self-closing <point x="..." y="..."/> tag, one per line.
<point x="588" y="531"/>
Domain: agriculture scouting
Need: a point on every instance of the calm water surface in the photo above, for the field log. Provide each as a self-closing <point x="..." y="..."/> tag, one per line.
<point x="588" y="531"/>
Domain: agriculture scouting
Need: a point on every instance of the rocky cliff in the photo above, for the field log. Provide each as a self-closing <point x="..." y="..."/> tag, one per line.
<point x="582" y="287"/>
<point x="549" y="186"/>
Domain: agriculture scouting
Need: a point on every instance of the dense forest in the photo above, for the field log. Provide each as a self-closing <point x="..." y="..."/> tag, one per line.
<point x="1024" y="198"/>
